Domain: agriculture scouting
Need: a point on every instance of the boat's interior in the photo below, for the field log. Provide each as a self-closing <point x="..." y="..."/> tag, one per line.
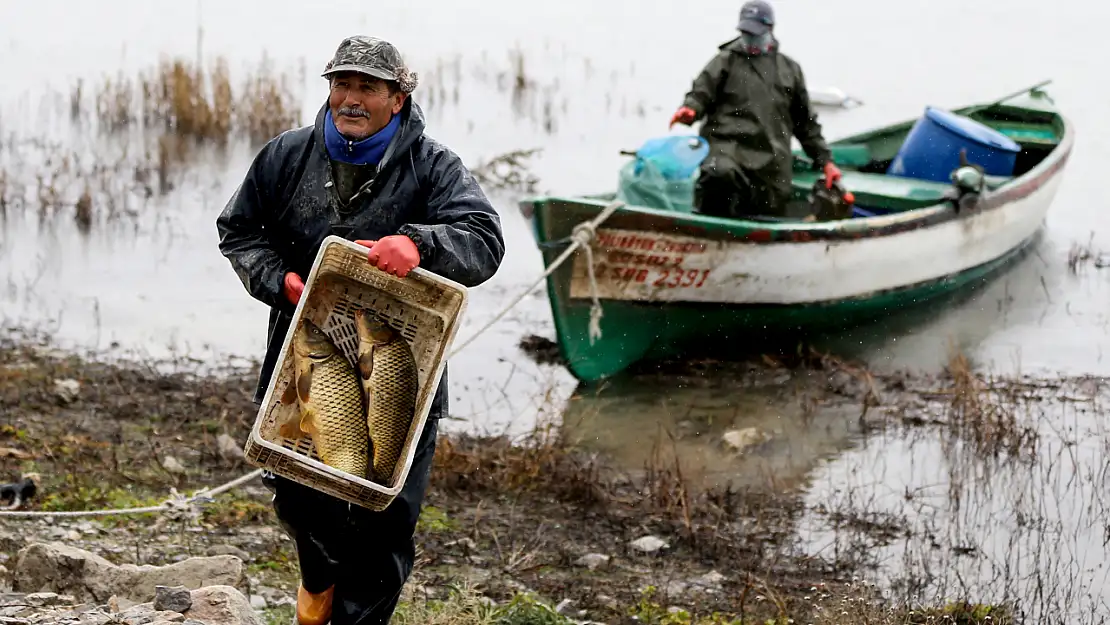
<point x="1030" y="120"/>
<point x="864" y="160"/>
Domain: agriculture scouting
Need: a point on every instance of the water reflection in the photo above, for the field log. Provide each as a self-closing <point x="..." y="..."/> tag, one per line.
<point x="940" y="518"/>
<point x="754" y="429"/>
<point x="919" y="336"/>
<point x="993" y="529"/>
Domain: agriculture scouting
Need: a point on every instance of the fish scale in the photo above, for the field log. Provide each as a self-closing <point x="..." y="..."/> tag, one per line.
<point x="392" y="403"/>
<point x="390" y="381"/>
<point x="340" y="436"/>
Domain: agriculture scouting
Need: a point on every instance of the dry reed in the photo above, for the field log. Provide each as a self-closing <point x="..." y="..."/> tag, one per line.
<point x="52" y="180"/>
<point x="542" y="461"/>
<point x="181" y="98"/>
<point x="170" y="111"/>
<point x="984" y="413"/>
<point x="508" y="171"/>
<point x="1080" y="255"/>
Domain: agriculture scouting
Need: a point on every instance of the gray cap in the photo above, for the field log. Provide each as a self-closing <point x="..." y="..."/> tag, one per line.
<point x="374" y="57"/>
<point x="756" y="17"/>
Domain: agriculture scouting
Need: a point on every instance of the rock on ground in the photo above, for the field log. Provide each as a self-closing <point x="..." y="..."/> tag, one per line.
<point x="67" y="390"/>
<point x="229" y="448"/>
<point x="58" y="568"/>
<point x="649" y="544"/>
<point x="592" y="560"/>
<point x="744" y="440"/>
<point x="222" y="605"/>
<point x="211" y="605"/>
<point x="173" y="465"/>
<point x="172" y="598"/>
<point x="228" y="550"/>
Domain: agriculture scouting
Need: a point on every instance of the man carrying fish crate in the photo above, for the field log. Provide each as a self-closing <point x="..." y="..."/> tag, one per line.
<point x="367" y="172"/>
<point x="752" y="99"/>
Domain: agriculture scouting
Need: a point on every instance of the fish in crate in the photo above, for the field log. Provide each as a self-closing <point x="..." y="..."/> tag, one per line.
<point x="388" y="371"/>
<point x="357" y="417"/>
<point x="360" y="367"/>
<point x="329" y="403"/>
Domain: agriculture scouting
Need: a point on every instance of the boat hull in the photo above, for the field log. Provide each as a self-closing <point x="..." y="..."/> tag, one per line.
<point x="638" y="331"/>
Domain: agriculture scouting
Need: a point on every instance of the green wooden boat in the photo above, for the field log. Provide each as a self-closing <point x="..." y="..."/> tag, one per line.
<point x="671" y="283"/>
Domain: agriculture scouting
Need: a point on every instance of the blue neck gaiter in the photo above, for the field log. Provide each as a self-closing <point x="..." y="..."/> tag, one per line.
<point x="758" y="44"/>
<point x="369" y="151"/>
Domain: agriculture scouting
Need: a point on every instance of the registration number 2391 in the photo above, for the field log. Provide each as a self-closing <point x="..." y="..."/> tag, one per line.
<point x="671" y="278"/>
<point x="678" y="277"/>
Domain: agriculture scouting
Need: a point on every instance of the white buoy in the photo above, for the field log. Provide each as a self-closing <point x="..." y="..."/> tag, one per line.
<point x="831" y="96"/>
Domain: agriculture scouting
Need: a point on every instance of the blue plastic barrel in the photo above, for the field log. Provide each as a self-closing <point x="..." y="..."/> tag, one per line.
<point x="932" y="148"/>
<point x="676" y="157"/>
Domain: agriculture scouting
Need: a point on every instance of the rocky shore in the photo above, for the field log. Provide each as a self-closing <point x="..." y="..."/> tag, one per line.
<point x="510" y="533"/>
<point x="55" y="583"/>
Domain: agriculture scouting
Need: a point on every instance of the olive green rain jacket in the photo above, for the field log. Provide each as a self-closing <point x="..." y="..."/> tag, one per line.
<point x="751" y="105"/>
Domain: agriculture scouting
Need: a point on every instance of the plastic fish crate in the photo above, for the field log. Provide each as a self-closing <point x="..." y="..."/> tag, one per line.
<point x="424" y="307"/>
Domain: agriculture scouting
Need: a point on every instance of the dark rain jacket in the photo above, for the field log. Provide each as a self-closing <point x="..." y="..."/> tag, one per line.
<point x="751" y="105"/>
<point x="287" y="204"/>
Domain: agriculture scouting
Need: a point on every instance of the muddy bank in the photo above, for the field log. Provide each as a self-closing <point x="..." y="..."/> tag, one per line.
<point x="541" y="516"/>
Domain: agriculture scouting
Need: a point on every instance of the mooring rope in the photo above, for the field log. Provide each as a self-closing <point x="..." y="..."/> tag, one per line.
<point x="582" y="235"/>
<point x="179" y="505"/>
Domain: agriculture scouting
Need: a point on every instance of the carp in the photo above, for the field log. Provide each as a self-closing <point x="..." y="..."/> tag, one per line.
<point x="331" y="407"/>
<point x="387" y="369"/>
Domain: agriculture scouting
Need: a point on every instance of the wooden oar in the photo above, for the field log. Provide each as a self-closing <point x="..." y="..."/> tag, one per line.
<point x="1022" y="92"/>
<point x="1007" y="97"/>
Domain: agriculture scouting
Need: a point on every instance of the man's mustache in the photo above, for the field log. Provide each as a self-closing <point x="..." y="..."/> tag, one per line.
<point x="352" y="112"/>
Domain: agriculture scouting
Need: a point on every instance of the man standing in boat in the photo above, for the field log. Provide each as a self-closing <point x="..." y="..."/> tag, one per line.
<point x="752" y="99"/>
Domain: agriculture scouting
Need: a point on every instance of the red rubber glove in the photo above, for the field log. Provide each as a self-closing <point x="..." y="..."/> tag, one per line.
<point x="395" y="254"/>
<point x="684" y="115"/>
<point x="832" y="174"/>
<point x="293" y="287"/>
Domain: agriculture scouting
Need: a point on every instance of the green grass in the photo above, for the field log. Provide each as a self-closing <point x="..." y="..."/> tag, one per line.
<point x="463" y="606"/>
<point x="433" y="520"/>
<point x="651" y="613"/>
<point x="281" y="615"/>
<point x="234" y="510"/>
<point x="71" y="495"/>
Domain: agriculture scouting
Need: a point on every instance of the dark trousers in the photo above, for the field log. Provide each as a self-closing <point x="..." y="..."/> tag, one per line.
<point x="366" y="555"/>
<point x="735" y="192"/>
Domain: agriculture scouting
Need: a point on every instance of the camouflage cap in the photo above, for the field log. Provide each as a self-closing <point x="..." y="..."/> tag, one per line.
<point x="756" y="17"/>
<point x="374" y="57"/>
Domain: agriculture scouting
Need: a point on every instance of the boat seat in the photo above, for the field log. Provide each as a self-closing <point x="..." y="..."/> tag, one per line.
<point x="844" y="154"/>
<point x="880" y="191"/>
<point x="1026" y="133"/>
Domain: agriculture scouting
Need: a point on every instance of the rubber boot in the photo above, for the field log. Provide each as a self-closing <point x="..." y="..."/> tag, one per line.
<point x="314" y="609"/>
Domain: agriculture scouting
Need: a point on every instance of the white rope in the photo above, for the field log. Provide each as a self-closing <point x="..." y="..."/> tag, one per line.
<point x="180" y="507"/>
<point x="219" y="490"/>
<point x="176" y="505"/>
<point x="581" y="235"/>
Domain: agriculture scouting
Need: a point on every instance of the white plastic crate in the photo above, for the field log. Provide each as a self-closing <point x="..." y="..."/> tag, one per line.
<point x="424" y="307"/>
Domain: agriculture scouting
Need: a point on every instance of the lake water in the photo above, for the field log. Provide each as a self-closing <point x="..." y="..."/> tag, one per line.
<point x="603" y="77"/>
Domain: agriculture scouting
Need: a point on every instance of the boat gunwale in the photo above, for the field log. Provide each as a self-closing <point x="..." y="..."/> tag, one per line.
<point x="764" y="232"/>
